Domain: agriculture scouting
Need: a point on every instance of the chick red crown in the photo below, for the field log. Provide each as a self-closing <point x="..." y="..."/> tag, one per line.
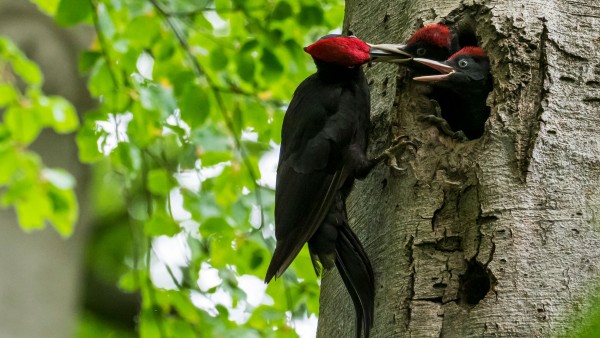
<point x="475" y="52"/>
<point x="435" y="34"/>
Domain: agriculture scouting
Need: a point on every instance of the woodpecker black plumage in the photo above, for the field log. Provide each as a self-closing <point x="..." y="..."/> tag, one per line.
<point x="466" y="75"/>
<point x="324" y="140"/>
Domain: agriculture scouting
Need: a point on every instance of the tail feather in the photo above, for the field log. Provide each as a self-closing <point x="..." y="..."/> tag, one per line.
<point x="356" y="272"/>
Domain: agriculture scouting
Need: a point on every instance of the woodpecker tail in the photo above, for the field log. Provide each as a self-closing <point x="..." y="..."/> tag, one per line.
<point x="356" y="271"/>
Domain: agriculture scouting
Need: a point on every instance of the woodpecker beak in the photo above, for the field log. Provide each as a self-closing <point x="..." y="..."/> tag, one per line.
<point x="445" y="70"/>
<point x="389" y="53"/>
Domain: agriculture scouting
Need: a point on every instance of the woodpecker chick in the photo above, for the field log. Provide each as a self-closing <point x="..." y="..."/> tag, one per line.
<point x="466" y="75"/>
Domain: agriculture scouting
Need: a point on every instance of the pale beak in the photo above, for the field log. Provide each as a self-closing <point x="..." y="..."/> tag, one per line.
<point x="386" y="52"/>
<point x="445" y="70"/>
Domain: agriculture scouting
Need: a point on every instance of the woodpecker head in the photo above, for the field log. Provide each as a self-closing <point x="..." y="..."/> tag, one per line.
<point x="348" y="51"/>
<point x="469" y="68"/>
<point x="433" y="41"/>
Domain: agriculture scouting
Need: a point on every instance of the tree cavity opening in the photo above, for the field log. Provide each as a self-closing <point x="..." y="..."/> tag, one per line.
<point x="475" y="283"/>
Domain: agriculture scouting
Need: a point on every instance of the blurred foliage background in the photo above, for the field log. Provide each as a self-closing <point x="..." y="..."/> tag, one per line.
<point x="183" y="144"/>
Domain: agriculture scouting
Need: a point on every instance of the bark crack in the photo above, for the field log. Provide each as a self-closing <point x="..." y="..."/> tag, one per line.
<point x="538" y="102"/>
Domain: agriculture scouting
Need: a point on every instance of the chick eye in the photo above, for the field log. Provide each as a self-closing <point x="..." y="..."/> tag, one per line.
<point x="421" y="51"/>
<point x="463" y="63"/>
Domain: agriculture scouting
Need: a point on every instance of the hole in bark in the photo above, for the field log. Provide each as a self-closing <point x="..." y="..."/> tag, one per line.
<point x="440" y="285"/>
<point x="450" y="243"/>
<point x="475" y="283"/>
<point x="568" y="79"/>
<point x="593" y="84"/>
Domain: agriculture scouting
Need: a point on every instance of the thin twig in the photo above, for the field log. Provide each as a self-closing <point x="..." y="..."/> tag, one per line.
<point x="198" y="11"/>
<point x="103" y="43"/>
<point x="199" y="72"/>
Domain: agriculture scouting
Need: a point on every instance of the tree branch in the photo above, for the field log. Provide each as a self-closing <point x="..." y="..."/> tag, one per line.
<point x="200" y="72"/>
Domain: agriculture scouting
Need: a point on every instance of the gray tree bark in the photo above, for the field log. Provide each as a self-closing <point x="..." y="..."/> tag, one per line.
<point x="492" y="237"/>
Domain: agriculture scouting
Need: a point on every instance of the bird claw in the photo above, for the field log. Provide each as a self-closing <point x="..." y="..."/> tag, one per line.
<point x="443" y="125"/>
<point x="460" y="136"/>
<point x="436" y="107"/>
<point x="400" y="142"/>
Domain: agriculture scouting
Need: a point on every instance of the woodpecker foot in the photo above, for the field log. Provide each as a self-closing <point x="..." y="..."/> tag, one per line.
<point x="460" y="135"/>
<point x="443" y="125"/>
<point x="400" y="142"/>
<point x="436" y="107"/>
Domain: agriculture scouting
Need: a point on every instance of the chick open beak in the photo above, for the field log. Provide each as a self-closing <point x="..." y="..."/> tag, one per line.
<point x="389" y="53"/>
<point x="445" y="70"/>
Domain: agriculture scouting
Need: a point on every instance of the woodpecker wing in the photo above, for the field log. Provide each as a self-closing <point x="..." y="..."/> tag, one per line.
<point x="316" y="130"/>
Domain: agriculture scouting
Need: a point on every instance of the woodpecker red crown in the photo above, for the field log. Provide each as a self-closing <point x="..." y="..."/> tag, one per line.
<point x="342" y="50"/>
<point x="435" y="34"/>
<point x="470" y="51"/>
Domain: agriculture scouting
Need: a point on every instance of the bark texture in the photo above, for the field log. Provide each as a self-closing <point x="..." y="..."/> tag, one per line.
<point x="497" y="236"/>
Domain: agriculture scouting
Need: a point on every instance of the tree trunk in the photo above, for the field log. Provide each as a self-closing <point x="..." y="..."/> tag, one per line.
<point x="496" y="236"/>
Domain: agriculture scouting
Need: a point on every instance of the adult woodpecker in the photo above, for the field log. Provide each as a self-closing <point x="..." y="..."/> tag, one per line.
<point x="466" y="75"/>
<point x="323" y="150"/>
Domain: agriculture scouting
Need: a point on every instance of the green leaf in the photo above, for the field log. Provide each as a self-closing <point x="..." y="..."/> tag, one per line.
<point x="63" y="115"/>
<point x="194" y="105"/>
<point x="48" y="6"/>
<point x="142" y="31"/>
<point x="161" y="224"/>
<point x="31" y="212"/>
<point x="88" y="59"/>
<point x="8" y="158"/>
<point x="59" y="178"/>
<point x="28" y="71"/>
<point x="127" y="158"/>
<point x="64" y="209"/>
<point x="184" y="306"/>
<point x="211" y="138"/>
<point x="157" y="98"/>
<point x="246" y="66"/>
<point x="87" y="141"/>
<point x="101" y="81"/>
<point x="310" y="16"/>
<point x="8" y="94"/>
<point x="283" y="10"/>
<point x="218" y="59"/>
<point x="215" y="226"/>
<point x="129" y="281"/>
<point x="22" y="123"/>
<point x="71" y="12"/>
<point x="272" y="67"/>
<point x="160" y="181"/>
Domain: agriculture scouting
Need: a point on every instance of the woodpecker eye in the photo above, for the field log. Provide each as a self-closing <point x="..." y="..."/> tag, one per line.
<point x="463" y="63"/>
<point x="421" y="51"/>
